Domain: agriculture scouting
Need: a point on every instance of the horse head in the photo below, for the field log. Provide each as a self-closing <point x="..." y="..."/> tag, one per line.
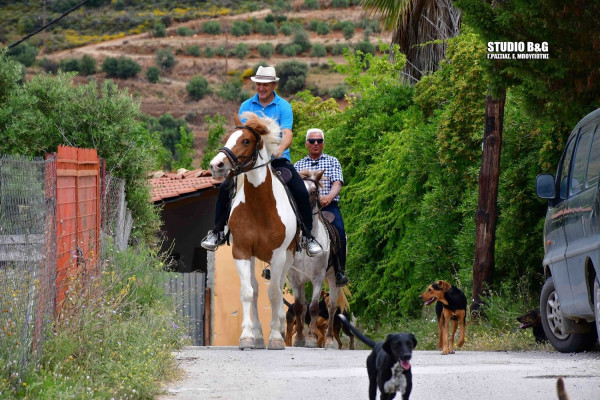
<point x="312" y="181"/>
<point x="254" y="139"/>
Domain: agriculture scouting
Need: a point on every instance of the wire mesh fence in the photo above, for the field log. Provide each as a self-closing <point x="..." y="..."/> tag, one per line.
<point x="29" y="220"/>
<point x="27" y="258"/>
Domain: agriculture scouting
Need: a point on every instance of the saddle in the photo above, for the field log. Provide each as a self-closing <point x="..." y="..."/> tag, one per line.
<point x="284" y="176"/>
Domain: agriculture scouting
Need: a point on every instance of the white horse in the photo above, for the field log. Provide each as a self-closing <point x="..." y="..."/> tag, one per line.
<point x="262" y="222"/>
<point x="314" y="270"/>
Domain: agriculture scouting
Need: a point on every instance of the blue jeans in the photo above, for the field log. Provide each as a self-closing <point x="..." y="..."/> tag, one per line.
<point x="338" y="222"/>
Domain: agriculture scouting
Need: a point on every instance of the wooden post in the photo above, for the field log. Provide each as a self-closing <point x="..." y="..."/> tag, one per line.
<point x="486" y="216"/>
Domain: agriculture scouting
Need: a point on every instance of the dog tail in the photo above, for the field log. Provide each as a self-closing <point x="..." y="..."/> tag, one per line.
<point x="287" y="303"/>
<point x="359" y="335"/>
<point x="560" y="389"/>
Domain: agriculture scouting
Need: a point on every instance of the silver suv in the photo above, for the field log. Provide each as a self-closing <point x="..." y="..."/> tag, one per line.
<point x="570" y="297"/>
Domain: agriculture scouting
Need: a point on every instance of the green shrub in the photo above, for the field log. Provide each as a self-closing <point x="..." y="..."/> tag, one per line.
<point x="364" y="47"/>
<point x="301" y="39"/>
<point x="292" y="76"/>
<point x="122" y="67"/>
<point x="348" y="30"/>
<point x="233" y="91"/>
<point x="241" y="28"/>
<point x="209" y="52"/>
<point x="211" y="28"/>
<point x="159" y="30"/>
<point x="87" y="65"/>
<point x="338" y="92"/>
<point x="167" y="20"/>
<point x="281" y="6"/>
<point x="287" y="29"/>
<point x="339" y="3"/>
<point x="220" y="51"/>
<point x="291" y="50"/>
<point x="266" y="49"/>
<point x="197" y="87"/>
<point x="153" y="74"/>
<point x="338" y="49"/>
<point x="184" y="31"/>
<point x="323" y="28"/>
<point x="267" y="28"/>
<point x="194" y="50"/>
<point x="69" y="65"/>
<point x="165" y="58"/>
<point x="23" y="53"/>
<point x="241" y="50"/>
<point x="49" y="65"/>
<point x="318" y="50"/>
<point x="311" y="4"/>
<point x="313" y="24"/>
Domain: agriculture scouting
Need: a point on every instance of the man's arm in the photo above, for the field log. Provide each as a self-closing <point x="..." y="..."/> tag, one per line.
<point x="336" y="188"/>
<point x="286" y="141"/>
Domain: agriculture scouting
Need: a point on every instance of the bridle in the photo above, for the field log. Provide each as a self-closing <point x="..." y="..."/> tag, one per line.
<point x="318" y="204"/>
<point x="249" y="162"/>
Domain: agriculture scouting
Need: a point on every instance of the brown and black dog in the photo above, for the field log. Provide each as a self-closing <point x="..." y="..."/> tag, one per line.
<point x="451" y="305"/>
<point x="532" y="319"/>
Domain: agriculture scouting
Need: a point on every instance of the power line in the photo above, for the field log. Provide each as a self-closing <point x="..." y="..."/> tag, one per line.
<point x="48" y="24"/>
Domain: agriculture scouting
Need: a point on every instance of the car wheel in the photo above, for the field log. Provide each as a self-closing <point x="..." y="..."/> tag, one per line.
<point x="552" y="321"/>
<point x="597" y="305"/>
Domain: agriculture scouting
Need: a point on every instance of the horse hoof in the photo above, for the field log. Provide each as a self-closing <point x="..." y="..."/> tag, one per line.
<point x="259" y="343"/>
<point x="246" y="344"/>
<point x="330" y="345"/>
<point x="299" y="343"/>
<point x="311" y="344"/>
<point x="276" y="345"/>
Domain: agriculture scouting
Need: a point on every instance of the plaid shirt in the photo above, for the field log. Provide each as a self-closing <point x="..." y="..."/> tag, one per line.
<point x="331" y="166"/>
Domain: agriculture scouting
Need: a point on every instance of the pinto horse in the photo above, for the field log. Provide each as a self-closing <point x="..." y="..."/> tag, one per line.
<point x="314" y="270"/>
<point x="262" y="222"/>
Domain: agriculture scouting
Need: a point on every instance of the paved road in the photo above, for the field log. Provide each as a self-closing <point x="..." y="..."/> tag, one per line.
<point x="299" y="374"/>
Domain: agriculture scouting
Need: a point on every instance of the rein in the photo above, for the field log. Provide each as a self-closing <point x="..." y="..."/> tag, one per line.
<point x="241" y="167"/>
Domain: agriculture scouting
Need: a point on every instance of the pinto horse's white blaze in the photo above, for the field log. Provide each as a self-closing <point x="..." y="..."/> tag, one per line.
<point x="262" y="225"/>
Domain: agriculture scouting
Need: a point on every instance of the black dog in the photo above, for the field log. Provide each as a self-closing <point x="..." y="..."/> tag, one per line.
<point x="388" y="364"/>
<point x="532" y="319"/>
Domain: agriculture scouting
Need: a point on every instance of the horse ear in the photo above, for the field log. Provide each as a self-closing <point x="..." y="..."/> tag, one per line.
<point x="236" y="119"/>
<point x="319" y="175"/>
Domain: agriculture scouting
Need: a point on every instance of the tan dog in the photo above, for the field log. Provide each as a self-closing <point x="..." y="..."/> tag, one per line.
<point x="451" y="305"/>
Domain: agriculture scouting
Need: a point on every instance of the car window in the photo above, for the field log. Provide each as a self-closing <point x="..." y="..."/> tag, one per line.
<point x="580" y="163"/>
<point x="594" y="166"/>
<point x="565" y="167"/>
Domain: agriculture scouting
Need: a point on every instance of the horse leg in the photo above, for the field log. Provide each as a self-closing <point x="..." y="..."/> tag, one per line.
<point x="282" y="313"/>
<point x="278" y="262"/>
<point x="259" y="341"/>
<point x="299" y="311"/>
<point x="314" y="316"/>
<point x="246" y="296"/>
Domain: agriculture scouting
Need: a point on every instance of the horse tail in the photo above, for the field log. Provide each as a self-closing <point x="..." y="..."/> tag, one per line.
<point x="342" y="300"/>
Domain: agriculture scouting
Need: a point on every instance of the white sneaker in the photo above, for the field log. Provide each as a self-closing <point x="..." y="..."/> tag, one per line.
<point x="313" y="248"/>
<point x="212" y="241"/>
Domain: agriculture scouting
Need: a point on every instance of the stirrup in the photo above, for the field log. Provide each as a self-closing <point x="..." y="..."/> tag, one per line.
<point x="266" y="273"/>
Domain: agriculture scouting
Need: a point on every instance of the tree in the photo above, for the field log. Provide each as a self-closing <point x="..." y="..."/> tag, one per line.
<point x="419" y="27"/>
<point x="197" y="87"/>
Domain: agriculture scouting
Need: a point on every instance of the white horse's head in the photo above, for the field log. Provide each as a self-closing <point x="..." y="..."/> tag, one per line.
<point x="256" y="138"/>
<point x="312" y="181"/>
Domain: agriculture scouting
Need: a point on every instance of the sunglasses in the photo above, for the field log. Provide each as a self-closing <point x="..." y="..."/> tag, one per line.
<point x="313" y="141"/>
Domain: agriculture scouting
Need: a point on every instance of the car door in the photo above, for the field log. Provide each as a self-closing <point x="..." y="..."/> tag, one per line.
<point x="580" y="212"/>
<point x="555" y="241"/>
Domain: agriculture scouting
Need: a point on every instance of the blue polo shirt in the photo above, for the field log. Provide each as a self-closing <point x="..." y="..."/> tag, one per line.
<point x="279" y="110"/>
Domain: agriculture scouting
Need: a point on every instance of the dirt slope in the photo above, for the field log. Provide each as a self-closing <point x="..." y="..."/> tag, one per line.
<point x="169" y="95"/>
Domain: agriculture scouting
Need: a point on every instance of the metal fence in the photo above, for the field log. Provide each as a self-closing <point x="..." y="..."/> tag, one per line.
<point x="33" y="208"/>
<point x="27" y="258"/>
<point x="188" y="291"/>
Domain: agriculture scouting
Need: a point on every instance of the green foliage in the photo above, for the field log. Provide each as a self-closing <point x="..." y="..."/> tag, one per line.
<point x="184" y="149"/>
<point x="194" y="50"/>
<point x="348" y="29"/>
<point x="338" y="92"/>
<point x="292" y="76"/>
<point x="171" y="133"/>
<point x="69" y="65"/>
<point x="211" y="28"/>
<point x="242" y="50"/>
<point x="209" y="52"/>
<point x="118" y="344"/>
<point x="287" y="29"/>
<point x="241" y="28"/>
<point x="233" y="90"/>
<point x="87" y="65"/>
<point x="165" y="58"/>
<point x="338" y="49"/>
<point x="302" y="40"/>
<point x="185" y="31"/>
<point x="153" y="74"/>
<point x="266" y="49"/>
<point x="318" y="50"/>
<point x="159" y="30"/>
<point x="122" y="67"/>
<point x="311" y="4"/>
<point x="364" y="47"/>
<point x="47" y="111"/>
<point x="267" y="28"/>
<point x="323" y="28"/>
<point x="339" y="3"/>
<point x="24" y="53"/>
<point x="197" y="87"/>
<point x="216" y="131"/>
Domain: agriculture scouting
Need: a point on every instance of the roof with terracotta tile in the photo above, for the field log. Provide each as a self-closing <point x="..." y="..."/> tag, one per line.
<point x="169" y="185"/>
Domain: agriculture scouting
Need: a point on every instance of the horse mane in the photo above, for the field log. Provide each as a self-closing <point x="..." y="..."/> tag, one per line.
<point x="267" y="127"/>
<point x="306" y="173"/>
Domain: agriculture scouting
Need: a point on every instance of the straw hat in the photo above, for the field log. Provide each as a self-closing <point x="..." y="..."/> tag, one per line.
<point x="265" y="75"/>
